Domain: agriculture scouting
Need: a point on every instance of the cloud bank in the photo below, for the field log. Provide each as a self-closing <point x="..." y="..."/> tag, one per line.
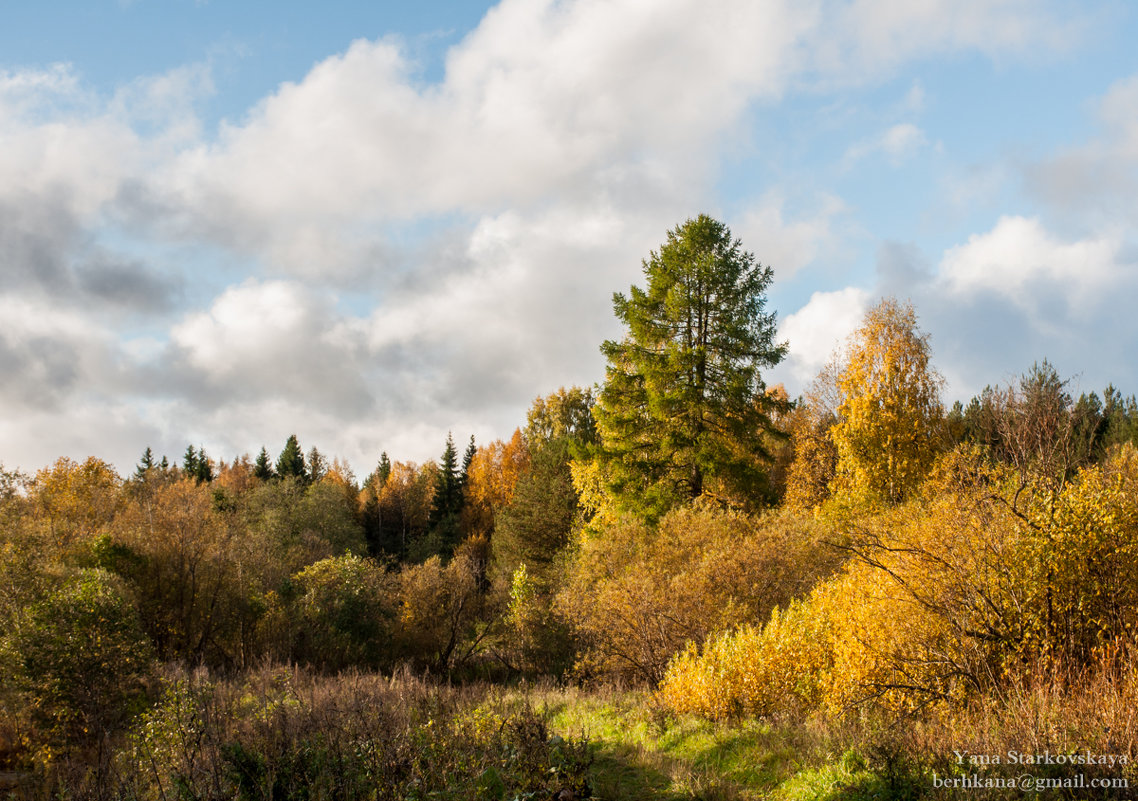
<point x="370" y="261"/>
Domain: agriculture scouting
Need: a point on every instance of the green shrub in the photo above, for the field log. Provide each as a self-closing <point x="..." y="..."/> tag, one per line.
<point x="345" y="612"/>
<point x="85" y="658"/>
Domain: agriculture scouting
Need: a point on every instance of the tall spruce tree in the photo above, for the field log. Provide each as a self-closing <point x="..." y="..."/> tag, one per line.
<point x="290" y="464"/>
<point x="190" y="462"/>
<point x="317" y="465"/>
<point x="448" y="497"/>
<point x="383" y="470"/>
<point x="263" y="467"/>
<point x="683" y="411"/>
<point x="145" y="464"/>
<point x="203" y="472"/>
<point x="467" y="458"/>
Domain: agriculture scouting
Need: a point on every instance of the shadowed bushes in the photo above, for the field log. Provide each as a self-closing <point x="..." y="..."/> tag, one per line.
<point x="288" y="734"/>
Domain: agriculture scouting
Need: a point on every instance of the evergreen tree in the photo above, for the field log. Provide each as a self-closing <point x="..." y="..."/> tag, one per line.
<point x="683" y="410"/>
<point x="982" y="419"/>
<point x="203" y="472"/>
<point x="317" y="465"/>
<point x="190" y="462"/>
<point x="1039" y="431"/>
<point x="165" y="465"/>
<point x="1090" y="423"/>
<point x="467" y="458"/>
<point x="536" y="524"/>
<point x="145" y="464"/>
<point x="290" y="464"/>
<point x="383" y="470"/>
<point x="1120" y="416"/>
<point x="263" y="467"/>
<point x="448" y="497"/>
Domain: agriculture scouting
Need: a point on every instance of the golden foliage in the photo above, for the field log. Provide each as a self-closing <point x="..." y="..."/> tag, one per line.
<point x="811" y="472"/>
<point x="494" y="471"/>
<point x="599" y="506"/>
<point x="950" y="594"/>
<point x="1080" y="551"/>
<point x="783" y="666"/>
<point x="340" y="476"/>
<point x="76" y="500"/>
<point x="637" y="595"/>
<point x="405" y="499"/>
<point x="564" y="413"/>
<point x="439" y="611"/>
<point x="890" y="409"/>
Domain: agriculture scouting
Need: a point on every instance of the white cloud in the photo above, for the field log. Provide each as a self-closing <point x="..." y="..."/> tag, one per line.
<point x="901" y="140"/>
<point x="252" y="323"/>
<point x="898" y="144"/>
<point x="551" y="98"/>
<point x="1018" y="258"/>
<point x="529" y="110"/>
<point x="268" y="339"/>
<point x="166" y="103"/>
<point x="50" y="150"/>
<point x="818" y="328"/>
<point x="788" y="245"/>
<point x="1020" y="293"/>
<point x="868" y="37"/>
<point x="1119" y="114"/>
<point x="522" y="190"/>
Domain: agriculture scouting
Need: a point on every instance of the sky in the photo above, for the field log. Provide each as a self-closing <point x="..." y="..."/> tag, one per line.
<point x="370" y="224"/>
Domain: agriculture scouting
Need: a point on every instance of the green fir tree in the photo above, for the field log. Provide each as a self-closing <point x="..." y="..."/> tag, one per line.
<point x="263" y="467"/>
<point x="683" y="410"/>
<point x="290" y="464"/>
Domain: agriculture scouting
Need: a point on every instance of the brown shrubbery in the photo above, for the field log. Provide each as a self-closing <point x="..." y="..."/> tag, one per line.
<point x="637" y="595"/>
<point x="287" y="733"/>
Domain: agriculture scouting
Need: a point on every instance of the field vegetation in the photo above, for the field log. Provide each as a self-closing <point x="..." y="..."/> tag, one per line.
<point x="681" y="583"/>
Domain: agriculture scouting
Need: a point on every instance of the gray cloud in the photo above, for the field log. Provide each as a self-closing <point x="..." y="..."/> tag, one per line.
<point x="1095" y="183"/>
<point x="37" y="235"/>
<point x="38" y="373"/>
<point x="45" y="250"/>
<point x="901" y="268"/>
<point x="127" y="285"/>
<point x="1017" y="295"/>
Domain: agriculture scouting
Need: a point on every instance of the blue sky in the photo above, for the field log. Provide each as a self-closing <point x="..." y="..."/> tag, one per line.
<point x="371" y="224"/>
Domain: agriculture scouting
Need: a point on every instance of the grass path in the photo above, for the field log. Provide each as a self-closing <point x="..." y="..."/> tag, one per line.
<point x="640" y="753"/>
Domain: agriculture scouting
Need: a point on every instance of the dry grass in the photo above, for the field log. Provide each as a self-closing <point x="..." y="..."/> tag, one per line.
<point x="285" y="733"/>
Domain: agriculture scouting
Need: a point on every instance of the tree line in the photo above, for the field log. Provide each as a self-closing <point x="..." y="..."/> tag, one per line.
<point x="682" y="524"/>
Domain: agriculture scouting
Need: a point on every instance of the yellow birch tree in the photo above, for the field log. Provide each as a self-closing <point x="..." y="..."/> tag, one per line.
<point x="890" y="410"/>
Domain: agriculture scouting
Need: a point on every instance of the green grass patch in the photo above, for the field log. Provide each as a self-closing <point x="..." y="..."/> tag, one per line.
<point x="642" y="753"/>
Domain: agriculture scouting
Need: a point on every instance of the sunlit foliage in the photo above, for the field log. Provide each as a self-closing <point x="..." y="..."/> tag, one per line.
<point x="636" y="595"/>
<point x="345" y="613"/>
<point x="952" y="594"/>
<point x="683" y="401"/>
<point x="886" y="433"/>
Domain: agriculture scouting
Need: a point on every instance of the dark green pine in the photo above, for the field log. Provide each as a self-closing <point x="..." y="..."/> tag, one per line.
<point x="290" y="463"/>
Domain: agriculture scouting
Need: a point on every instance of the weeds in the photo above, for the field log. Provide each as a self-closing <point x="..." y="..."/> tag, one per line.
<point x="281" y="734"/>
